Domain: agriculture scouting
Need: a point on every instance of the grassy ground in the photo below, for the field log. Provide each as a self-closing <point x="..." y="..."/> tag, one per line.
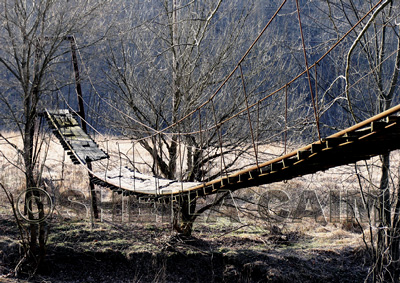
<point x="131" y="252"/>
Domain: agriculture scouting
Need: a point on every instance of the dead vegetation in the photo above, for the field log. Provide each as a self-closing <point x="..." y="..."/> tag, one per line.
<point x="131" y="252"/>
<point x="232" y="242"/>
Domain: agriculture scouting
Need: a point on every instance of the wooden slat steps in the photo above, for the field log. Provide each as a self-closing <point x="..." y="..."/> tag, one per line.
<point x="79" y="146"/>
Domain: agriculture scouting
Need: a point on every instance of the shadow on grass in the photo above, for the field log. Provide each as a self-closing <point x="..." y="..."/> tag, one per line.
<point x="136" y="253"/>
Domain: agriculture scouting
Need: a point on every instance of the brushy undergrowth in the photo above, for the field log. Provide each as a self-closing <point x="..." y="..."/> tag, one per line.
<point x="130" y="252"/>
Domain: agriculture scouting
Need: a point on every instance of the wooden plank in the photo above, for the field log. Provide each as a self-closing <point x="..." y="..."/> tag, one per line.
<point x="215" y="186"/>
<point x="378" y="125"/>
<point x="224" y="181"/>
<point x="265" y="169"/>
<point x="288" y="162"/>
<point x="233" y="180"/>
<point x="333" y="142"/>
<point x="317" y="147"/>
<point x="303" y="154"/>
<point x="276" y="166"/>
<point x="254" y="174"/>
<point x="392" y="119"/>
<point x="357" y="134"/>
<point x="243" y="178"/>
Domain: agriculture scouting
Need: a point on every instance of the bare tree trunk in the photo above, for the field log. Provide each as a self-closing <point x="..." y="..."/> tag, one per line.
<point x="395" y="236"/>
<point x="383" y="238"/>
<point x="32" y="33"/>
<point x="184" y="215"/>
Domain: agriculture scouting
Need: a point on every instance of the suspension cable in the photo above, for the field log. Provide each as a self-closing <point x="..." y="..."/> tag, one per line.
<point x="307" y="69"/>
<point x="248" y="114"/>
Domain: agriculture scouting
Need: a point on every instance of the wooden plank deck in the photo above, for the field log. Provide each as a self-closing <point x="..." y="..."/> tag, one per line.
<point x="375" y="136"/>
<point x="79" y="145"/>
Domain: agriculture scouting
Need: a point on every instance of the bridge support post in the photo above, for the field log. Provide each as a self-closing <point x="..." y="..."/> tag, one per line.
<point x="81" y="113"/>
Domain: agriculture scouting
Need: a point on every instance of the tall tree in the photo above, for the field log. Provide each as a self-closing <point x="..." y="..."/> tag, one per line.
<point x="167" y="58"/>
<point x="373" y="58"/>
<point x="32" y="35"/>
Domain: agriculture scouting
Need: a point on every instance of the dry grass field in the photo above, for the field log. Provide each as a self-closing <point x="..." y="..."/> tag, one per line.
<point x="135" y="242"/>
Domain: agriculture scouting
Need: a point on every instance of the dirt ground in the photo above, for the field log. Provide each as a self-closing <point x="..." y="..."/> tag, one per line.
<point x="129" y="252"/>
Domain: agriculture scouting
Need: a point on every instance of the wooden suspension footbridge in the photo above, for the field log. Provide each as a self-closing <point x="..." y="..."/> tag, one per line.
<point x="375" y="136"/>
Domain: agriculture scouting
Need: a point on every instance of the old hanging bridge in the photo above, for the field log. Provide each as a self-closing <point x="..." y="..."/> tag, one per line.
<point x="375" y="136"/>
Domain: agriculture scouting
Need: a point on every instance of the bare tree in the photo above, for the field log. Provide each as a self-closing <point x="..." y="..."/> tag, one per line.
<point x="32" y="35"/>
<point x="165" y="59"/>
<point x="373" y="58"/>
